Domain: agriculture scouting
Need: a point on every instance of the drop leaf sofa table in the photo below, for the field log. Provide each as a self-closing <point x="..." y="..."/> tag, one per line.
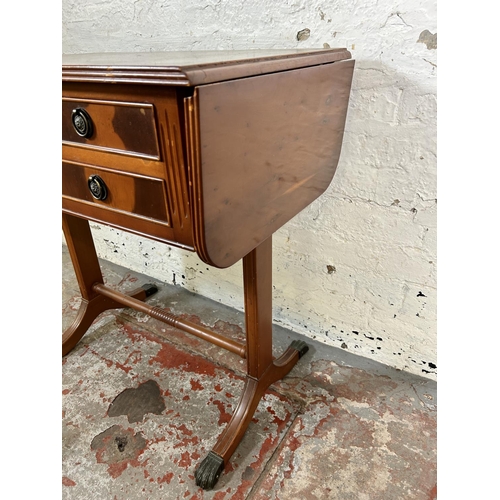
<point x="211" y="152"/>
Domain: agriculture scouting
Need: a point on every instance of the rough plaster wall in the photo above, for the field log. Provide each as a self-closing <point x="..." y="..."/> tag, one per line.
<point x="357" y="268"/>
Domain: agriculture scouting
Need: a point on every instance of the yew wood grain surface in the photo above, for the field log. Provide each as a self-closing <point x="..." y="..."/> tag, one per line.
<point x="154" y="200"/>
<point x="191" y="68"/>
<point x="264" y="148"/>
<point x="122" y="127"/>
<point x="137" y="194"/>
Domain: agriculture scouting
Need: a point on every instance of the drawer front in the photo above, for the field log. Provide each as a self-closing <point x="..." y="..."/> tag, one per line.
<point x="137" y="195"/>
<point x="120" y="127"/>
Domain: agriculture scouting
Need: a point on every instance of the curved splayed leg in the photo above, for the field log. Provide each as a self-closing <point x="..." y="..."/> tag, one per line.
<point x="91" y="309"/>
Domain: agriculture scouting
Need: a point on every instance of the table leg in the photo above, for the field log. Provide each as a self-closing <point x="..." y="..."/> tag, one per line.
<point x="88" y="272"/>
<point x="262" y="370"/>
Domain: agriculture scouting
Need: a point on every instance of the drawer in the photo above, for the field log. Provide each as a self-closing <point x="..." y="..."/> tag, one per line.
<point x="121" y="192"/>
<point x="126" y="128"/>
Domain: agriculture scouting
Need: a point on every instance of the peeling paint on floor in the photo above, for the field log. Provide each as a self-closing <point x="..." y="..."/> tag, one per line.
<point x="138" y="453"/>
<point x="136" y="402"/>
<point x="144" y="403"/>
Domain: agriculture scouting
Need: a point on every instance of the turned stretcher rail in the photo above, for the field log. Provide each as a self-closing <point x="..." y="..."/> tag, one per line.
<point x="172" y="320"/>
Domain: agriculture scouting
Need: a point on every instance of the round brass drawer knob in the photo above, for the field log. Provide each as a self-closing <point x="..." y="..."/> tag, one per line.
<point x="82" y="123"/>
<point x="97" y="187"/>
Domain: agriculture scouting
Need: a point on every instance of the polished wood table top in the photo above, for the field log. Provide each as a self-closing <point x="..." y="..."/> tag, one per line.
<point x="232" y="156"/>
<point x="191" y="67"/>
<point x="211" y="152"/>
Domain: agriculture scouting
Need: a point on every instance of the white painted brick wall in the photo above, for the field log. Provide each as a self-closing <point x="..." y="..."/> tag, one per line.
<point x="357" y="268"/>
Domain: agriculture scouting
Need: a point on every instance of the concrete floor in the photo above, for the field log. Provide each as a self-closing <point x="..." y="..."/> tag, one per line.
<point x="337" y="427"/>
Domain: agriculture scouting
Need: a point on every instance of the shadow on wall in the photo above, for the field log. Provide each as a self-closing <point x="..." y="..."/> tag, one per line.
<point x="389" y="150"/>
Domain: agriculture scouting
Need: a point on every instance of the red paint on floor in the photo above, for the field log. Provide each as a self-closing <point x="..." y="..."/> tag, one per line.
<point x="357" y="433"/>
<point x="66" y="481"/>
